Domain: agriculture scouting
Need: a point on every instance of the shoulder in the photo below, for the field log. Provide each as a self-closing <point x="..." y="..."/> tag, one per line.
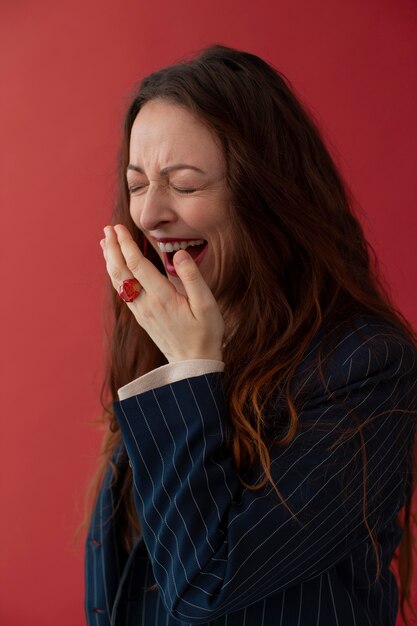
<point x="364" y="349"/>
<point x="368" y="346"/>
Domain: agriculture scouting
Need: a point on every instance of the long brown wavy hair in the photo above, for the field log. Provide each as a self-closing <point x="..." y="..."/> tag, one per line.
<point x="302" y="262"/>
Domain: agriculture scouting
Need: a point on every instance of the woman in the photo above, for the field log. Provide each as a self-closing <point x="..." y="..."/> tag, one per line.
<point x="261" y="391"/>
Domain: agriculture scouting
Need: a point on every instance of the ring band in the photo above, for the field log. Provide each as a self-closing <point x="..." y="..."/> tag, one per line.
<point x="129" y="289"/>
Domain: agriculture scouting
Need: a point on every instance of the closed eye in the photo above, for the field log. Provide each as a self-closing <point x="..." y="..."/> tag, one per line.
<point x="135" y="188"/>
<point x="184" y="189"/>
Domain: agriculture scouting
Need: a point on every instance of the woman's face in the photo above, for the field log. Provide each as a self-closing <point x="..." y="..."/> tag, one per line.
<point x="178" y="193"/>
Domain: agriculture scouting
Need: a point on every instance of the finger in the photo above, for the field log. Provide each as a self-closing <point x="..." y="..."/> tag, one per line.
<point x="198" y="292"/>
<point x="128" y="288"/>
<point x="140" y="267"/>
<point x="115" y="262"/>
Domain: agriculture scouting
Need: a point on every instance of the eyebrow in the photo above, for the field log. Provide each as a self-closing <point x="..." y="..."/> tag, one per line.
<point x="170" y="168"/>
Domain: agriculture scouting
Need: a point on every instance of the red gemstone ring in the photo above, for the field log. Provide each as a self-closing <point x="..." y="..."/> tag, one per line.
<point x="129" y="289"/>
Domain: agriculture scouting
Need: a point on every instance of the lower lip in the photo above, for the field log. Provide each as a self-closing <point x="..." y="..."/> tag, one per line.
<point x="171" y="269"/>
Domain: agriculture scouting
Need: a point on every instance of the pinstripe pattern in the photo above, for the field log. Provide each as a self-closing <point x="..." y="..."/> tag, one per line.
<point x="224" y="555"/>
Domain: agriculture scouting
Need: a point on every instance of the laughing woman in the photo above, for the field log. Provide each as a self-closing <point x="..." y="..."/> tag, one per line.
<point x="261" y="392"/>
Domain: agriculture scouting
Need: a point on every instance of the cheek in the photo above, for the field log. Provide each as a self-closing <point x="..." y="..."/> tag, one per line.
<point x="134" y="213"/>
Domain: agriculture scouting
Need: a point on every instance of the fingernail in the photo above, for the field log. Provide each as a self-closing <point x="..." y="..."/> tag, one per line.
<point x="181" y="256"/>
<point x="103" y="243"/>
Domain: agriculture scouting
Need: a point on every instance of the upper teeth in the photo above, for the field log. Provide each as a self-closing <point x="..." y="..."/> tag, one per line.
<point x="172" y="246"/>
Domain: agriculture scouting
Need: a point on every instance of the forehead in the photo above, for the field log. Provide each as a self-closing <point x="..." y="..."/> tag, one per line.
<point x="164" y="132"/>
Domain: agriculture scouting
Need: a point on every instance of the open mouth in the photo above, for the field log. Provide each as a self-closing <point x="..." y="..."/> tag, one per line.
<point x="193" y="251"/>
<point x="196" y="252"/>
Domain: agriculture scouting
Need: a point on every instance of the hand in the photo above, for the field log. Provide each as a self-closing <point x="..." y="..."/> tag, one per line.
<point x="183" y="327"/>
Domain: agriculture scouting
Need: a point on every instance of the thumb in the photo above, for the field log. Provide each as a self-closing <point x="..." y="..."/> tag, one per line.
<point x="197" y="289"/>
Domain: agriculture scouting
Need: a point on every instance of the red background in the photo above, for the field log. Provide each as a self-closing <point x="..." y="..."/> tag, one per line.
<point x="67" y="69"/>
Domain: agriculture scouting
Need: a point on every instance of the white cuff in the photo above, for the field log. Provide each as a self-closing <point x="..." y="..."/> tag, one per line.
<point x="169" y="373"/>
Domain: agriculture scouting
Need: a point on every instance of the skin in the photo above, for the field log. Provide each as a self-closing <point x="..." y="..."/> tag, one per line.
<point x="182" y="314"/>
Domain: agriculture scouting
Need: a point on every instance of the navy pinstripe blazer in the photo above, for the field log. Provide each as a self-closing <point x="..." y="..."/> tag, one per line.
<point x="222" y="554"/>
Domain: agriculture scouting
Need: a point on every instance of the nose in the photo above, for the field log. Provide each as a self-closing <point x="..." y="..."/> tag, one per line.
<point x="152" y="209"/>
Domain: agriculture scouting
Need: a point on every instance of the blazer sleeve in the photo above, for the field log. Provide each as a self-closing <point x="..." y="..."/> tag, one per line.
<point x="169" y="373"/>
<point x="215" y="546"/>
